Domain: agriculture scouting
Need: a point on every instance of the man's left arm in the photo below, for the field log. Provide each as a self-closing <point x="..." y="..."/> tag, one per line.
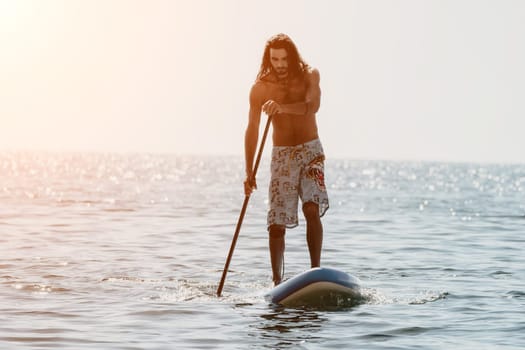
<point x="313" y="92"/>
<point x="312" y="100"/>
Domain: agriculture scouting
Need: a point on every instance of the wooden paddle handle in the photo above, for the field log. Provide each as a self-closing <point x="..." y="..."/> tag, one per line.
<point x="243" y="210"/>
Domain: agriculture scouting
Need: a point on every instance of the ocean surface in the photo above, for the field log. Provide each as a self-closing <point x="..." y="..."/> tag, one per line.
<point x="125" y="251"/>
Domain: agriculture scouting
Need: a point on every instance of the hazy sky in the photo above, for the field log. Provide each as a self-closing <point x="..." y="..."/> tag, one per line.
<point x="408" y="79"/>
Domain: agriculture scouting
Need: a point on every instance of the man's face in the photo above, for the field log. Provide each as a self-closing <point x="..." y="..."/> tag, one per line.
<point x="279" y="60"/>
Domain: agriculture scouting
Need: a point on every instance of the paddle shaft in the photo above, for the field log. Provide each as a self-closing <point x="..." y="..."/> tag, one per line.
<point x="243" y="210"/>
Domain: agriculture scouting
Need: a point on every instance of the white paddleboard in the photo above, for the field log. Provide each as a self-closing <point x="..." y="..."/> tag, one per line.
<point x="317" y="287"/>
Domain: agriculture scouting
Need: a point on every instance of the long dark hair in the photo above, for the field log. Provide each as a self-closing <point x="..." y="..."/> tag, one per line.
<point x="296" y="65"/>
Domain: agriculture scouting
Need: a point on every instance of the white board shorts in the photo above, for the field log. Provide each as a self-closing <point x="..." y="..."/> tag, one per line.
<point x="296" y="172"/>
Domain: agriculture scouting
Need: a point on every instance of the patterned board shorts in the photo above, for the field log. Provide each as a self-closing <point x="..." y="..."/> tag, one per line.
<point x="297" y="172"/>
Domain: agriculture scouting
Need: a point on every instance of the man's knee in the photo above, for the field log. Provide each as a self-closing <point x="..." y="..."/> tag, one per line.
<point x="311" y="210"/>
<point x="276" y="231"/>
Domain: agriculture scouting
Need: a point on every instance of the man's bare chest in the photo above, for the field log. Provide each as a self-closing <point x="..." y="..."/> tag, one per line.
<point x="287" y="93"/>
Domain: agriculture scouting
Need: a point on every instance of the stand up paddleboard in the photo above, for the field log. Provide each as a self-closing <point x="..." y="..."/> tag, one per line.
<point x="317" y="287"/>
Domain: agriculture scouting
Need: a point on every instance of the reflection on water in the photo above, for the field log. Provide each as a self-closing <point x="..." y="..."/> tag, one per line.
<point x="289" y="327"/>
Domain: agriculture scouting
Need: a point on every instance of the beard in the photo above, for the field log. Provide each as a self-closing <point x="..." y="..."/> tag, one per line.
<point x="281" y="72"/>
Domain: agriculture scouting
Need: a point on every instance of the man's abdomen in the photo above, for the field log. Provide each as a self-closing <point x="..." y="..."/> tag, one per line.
<point x="291" y="130"/>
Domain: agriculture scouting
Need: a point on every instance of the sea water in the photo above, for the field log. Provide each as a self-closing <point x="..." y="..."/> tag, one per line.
<point x="125" y="251"/>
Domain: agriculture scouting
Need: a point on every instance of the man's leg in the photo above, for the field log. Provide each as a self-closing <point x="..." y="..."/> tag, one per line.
<point x="314" y="232"/>
<point x="276" y="241"/>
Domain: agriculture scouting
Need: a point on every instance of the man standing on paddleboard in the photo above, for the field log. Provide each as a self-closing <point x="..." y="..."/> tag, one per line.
<point x="287" y="90"/>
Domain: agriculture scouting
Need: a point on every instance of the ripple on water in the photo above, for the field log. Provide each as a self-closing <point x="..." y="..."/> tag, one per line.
<point x="516" y="294"/>
<point x="40" y="288"/>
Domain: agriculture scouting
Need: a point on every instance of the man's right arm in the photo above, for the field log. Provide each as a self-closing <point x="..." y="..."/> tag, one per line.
<point x="252" y="136"/>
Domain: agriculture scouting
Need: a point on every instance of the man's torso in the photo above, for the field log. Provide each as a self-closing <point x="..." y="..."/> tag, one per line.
<point x="289" y="129"/>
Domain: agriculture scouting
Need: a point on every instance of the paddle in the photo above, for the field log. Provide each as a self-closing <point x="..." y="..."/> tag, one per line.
<point x="243" y="210"/>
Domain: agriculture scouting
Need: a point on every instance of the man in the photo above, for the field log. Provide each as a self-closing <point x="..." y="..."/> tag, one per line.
<point x="287" y="89"/>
